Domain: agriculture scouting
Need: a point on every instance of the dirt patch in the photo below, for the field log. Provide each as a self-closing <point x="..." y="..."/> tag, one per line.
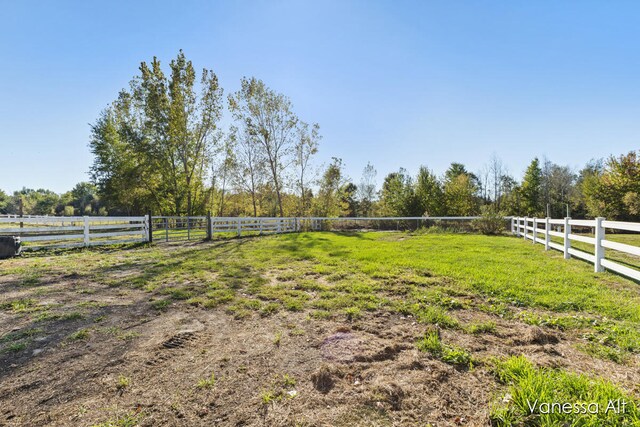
<point x="339" y="374"/>
<point x="112" y="353"/>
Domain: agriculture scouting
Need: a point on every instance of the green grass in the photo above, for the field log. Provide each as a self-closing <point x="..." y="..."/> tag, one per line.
<point x="14" y="347"/>
<point x="481" y="328"/>
<point x="123" y="382"/>
<point x="15" y="336"/>
<point x="207" y="382"/>
<point x="281" y="387"/>
<point x="127" y="420"/>
<point x="528" y="387"/>
<point x="79" y="335"/>
<point x="613" y="255"/>
<point x="453" y="355"/>
<point x="428" y="277"/>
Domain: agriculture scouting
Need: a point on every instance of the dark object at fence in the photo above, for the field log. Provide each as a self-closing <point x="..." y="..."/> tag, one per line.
<point x="10" y="246"/>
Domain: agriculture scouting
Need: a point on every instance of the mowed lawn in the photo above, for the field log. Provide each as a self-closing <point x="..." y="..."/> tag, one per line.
<point x="453" y="289"/>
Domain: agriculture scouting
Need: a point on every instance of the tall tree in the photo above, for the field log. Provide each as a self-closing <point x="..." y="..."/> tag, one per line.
<point x="250" y="170"/>
<point x="397" y="196"/>
<point x="531" y="189"/>
<point x="559" y="186"/>
<point x="4" y="202"/>
<point x="497" y="172"/>
<point x="305" y="148"/>
<point x="270" y="121"/>
<point x="329" y="200"/>
<point x="225" y="169"/>
<point x="348" y="199"/>
<point x="367" y="190"/>
<point x="460" y="195"/>
<point x="614" y="192"/>
<point x="585" y="200"/>
<point x="84" y="198"/>
<point x="461" y="191"/>
<point x="428" y="193"/>
<point x="153" y="145"/>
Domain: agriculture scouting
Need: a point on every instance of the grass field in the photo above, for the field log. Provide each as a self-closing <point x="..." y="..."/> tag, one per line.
<point x="340" y="329"/>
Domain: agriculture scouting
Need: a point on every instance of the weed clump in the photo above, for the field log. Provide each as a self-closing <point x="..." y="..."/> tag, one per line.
<point x="431" y="343"/>
<point x="282" y="387"/>
<point x="207" y="382"/>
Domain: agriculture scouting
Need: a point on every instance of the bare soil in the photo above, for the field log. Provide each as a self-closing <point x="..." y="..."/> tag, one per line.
<point x="282" y="370"/>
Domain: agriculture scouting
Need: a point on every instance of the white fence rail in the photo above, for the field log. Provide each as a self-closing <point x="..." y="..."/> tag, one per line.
<point x="203" y="227"/>
<point x="541" y="230"/>
<point x="186" y="228"/>
<point x="80" y="231"/>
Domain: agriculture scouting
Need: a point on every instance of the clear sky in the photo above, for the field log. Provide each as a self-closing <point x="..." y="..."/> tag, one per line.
<point x="396" y="83"/>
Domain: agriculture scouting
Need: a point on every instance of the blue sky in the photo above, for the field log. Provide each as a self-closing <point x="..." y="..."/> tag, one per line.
<point x="396" y="83"/>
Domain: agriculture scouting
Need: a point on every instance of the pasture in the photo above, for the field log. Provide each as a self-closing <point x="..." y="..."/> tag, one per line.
<point x="315" y="329"/>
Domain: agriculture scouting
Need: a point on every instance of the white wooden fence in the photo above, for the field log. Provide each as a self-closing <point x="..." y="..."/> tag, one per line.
<point x="69" y="231"/>
<point x="541" y="230"/>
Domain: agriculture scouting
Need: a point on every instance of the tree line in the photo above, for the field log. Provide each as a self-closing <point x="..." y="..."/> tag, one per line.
<point x="606" y="187"/>
<point x="160" y="146"/>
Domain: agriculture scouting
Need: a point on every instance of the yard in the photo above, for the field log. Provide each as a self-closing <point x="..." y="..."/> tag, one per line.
<point x="315" y="329"/>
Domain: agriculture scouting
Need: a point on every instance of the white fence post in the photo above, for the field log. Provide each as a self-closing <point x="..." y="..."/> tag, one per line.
<point x="513" y="226"/>
<point x="239" y="227"/>
<point x="535" y="231"/>
<point x="547" y="236"/>
<point x="567" y="242"/>
<point x="86" y="231"/>
<point x="599" y="249"/>
<point x="526" y="224"/>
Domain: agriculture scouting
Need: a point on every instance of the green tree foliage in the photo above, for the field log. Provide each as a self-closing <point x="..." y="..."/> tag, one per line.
<point x="558" y="185"/>
<point x="271" y="124"/>
<point x="531" y="190"/>
<point x="349" y="200"/>
<point x="614" y="190"/>
<point x="250" y="172"/>
<point x="366" y="193"/>
<point x="585" y="202"/>
<point x="84" y="198"/>
<point x="429" y="194"/>
<point x="397" y="197"/>
<point x="461" y="191"/>
<point x="509" y="197"/>
<point x="153" y="145"/>
<point x="305" y="148"/>
<point x="33" y="202"/>
<point x="330" y="200"/>
<point x="4" y="202"/>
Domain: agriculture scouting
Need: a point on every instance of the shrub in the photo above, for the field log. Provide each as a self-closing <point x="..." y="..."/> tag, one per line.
<point x="490" y="222"/>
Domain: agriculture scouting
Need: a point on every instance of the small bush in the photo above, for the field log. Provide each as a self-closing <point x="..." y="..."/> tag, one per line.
<point x="490" y="222"/>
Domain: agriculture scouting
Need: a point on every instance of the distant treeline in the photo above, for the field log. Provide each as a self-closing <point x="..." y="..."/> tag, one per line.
<point x="608" y="188"/>
<point x="159" y="147"/>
